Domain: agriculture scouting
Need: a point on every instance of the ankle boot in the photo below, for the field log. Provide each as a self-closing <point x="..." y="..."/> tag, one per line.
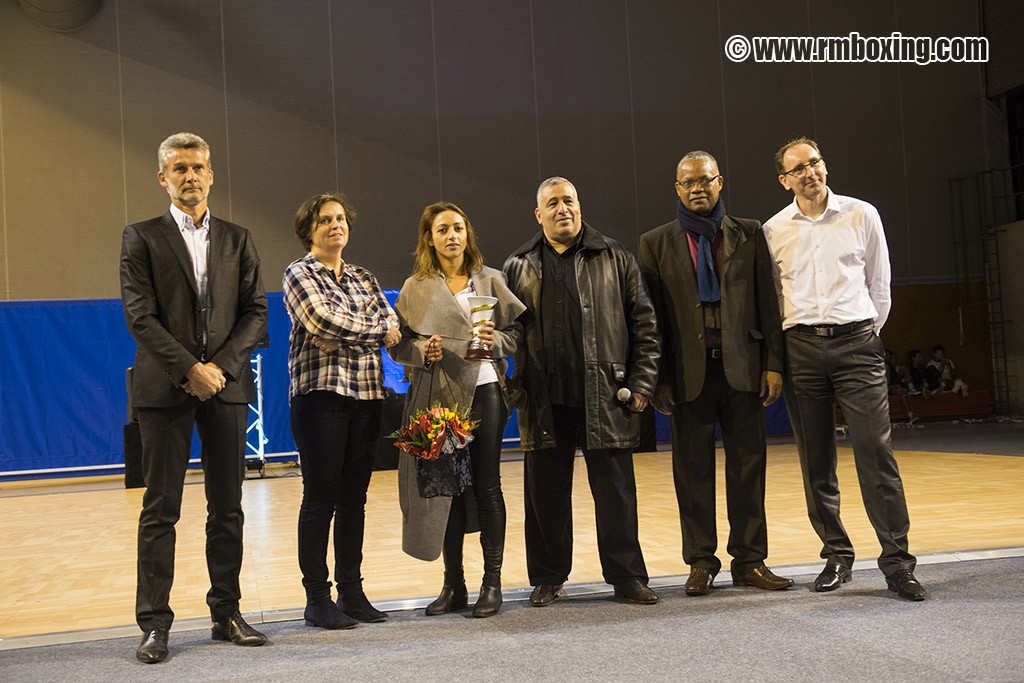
<point x="489" y="601"/>
<point x="354" y="603"/>
<point x="454" y="595"/>
<point x="491" y="506"/>
<point x="322" y="612"/>
<point x="452" y="598"/>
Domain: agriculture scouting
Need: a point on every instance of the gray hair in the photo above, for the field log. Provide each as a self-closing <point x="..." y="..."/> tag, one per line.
<point x="553" y="180"/>
<point x="696" y="155"/>
<point x="180" y="141"/>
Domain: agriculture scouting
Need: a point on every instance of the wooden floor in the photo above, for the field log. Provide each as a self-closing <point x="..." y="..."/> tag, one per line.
<point x="68" y="554"/>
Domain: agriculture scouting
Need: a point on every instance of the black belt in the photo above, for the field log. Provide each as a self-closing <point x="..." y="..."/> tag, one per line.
<point x="714" y="353"/>
<point x="831" y="330"/>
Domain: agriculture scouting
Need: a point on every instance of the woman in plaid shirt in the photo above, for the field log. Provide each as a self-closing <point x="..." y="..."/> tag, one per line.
<point x="340" y="320"/>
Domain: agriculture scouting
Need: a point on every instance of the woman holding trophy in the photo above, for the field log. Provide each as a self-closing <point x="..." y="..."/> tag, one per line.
<point x="458" y="322"/>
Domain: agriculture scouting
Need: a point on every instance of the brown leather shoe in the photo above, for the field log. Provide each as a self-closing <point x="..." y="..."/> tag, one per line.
<point x="699" y="582"/>
<point x="763" y="578"/>
<point x="544" y="595"/>
<point x="637" y="592"/>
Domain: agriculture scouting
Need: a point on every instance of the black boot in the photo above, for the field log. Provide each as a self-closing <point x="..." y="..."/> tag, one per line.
<point x="491" y="506"/>
<point x="322" y="612"/>
<point x="452" y="598"/>
<point x="354" y="603"/>
<point x="489" y="601"/>
<point x="454" y="595"/>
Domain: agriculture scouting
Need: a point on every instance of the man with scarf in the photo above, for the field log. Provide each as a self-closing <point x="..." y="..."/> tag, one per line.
<point x="710" y="279"/>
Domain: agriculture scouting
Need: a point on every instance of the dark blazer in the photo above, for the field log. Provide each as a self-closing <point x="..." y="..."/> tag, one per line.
<point x="161" y="307"/>
<point x="752" y="339"/>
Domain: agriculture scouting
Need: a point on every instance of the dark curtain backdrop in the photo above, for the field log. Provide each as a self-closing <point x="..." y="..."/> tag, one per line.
<point x="399" y="103"/>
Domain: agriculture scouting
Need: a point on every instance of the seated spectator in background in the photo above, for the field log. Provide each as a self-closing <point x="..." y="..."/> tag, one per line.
<point x="941" y="373"/>
<point x="917" y="372"/>
<point x="896" y="378"/>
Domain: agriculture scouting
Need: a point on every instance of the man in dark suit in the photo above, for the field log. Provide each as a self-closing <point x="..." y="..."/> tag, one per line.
<point x="710" y="278"/>
<point x="194" y="301"/>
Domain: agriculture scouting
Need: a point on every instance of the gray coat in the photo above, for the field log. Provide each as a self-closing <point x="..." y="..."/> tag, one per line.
<point x="426" y="307"/>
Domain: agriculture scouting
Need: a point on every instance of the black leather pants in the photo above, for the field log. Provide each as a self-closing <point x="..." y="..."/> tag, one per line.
<point x="485" y="455"/>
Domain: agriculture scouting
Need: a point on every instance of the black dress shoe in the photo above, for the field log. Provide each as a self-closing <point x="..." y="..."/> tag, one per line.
<point x="451" y="599"/>
<point x="699" y="583"/>
<point x="763" y="578"/>
<point x="323" y="613"/>
<point x="543" y="595"/>
<point x="153" y="648"/>
<point x="903" y="584"/>
<point x="832" y="577"/>
<point x="356" y="605"/>
<point x="636" y="591"/>
<point x="237" y="631"/>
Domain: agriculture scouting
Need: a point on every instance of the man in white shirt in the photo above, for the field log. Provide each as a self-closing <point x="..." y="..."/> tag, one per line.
<point x="832" y="265"/>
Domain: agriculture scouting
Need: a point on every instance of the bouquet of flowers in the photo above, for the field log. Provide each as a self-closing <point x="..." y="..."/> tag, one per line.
<point x="439" y="438"/>
<point x="425" y="434"/>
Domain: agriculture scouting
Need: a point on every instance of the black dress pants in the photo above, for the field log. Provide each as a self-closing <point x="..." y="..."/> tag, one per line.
<point x="335" y="436"/>
<point x="548" y="474"/>
<point x="693" y="467"/>
<point x="166" y="441"/>
<point x="850" y="369"/>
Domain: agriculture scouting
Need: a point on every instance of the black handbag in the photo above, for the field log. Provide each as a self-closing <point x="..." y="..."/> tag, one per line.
<point x="452" y="472"/>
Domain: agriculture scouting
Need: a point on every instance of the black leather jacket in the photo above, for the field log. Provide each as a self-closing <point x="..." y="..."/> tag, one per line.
<point x="620" y="342"/>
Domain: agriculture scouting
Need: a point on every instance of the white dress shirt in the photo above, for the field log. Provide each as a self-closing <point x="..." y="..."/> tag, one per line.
<point x="197" y="241"/>
<point x="833" y="269"/>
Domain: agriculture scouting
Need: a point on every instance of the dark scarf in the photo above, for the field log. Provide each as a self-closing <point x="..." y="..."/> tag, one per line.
<point x="703" y="229"/>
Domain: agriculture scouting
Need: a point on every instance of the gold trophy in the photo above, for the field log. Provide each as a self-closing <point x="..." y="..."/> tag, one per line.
<point x="481" y="309"/>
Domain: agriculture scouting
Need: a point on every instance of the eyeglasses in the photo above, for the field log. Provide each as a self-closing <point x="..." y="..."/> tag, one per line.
<point x="798" y="171"/>
<point x="702" y="182"/>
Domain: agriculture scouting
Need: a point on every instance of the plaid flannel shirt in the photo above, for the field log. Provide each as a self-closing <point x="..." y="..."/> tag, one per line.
<point x="351" y="310"/>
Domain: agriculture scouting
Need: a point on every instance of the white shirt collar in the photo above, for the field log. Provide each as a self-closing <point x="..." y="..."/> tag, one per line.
<point x="832" y="206"/>
<point x="182" y="219"/>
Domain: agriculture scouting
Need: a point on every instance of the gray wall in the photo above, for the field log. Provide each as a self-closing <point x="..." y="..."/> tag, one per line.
<point x="1004" y="26"/>
<point x="399" y="103"/>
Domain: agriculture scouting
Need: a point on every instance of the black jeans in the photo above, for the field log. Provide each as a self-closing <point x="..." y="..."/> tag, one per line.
<point x="166" y="441"/>
<point x="548" y="475"/>
<point x="848" y="369"/>
<point x="693" y="467"/>
<point x="336" y="436"/>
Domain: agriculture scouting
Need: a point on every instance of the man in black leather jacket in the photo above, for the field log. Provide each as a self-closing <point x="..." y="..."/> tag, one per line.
<point x="589" y="334"/>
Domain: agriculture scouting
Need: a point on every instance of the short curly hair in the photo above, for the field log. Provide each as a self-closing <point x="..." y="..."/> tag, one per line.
<point x="310" y="210"/>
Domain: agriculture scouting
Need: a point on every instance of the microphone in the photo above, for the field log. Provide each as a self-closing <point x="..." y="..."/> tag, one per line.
<point x="624" y="395"/>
